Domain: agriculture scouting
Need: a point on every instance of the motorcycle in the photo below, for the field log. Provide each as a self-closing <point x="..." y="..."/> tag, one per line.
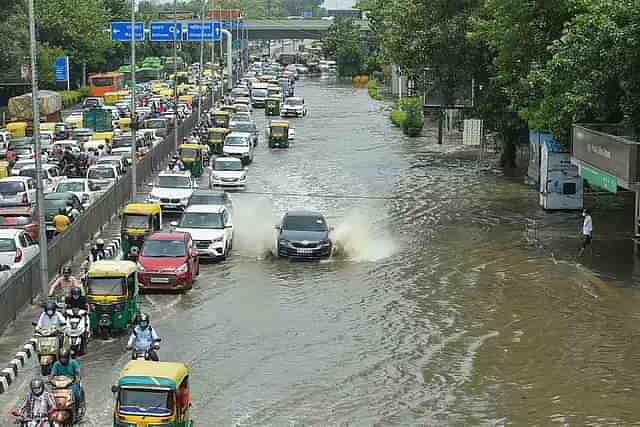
<point x="31" y="422"/>
<point x="76" y="331"/>
<point x="67" y="413"/>
<point x="144" y="354"/>
<point x="47" y="346"/>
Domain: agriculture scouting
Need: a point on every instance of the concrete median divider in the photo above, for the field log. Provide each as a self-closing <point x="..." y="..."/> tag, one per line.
<point x="25" y="284"/>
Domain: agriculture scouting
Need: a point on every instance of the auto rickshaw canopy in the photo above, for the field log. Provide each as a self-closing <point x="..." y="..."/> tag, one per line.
<point x="143" y="373"/>
<point x="142" y="209"/>
<point x="196" y="147"/>
<point x="111" y="268"/>
<point x="229" y="109"/>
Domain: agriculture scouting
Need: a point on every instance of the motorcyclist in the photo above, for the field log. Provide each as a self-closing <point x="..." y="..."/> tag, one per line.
<point x="50" y="317"/>
<point x="95" y="255"/>
<point x="134" y="254"/>
<point x="144" y="337"/>
<point x="100" y="246"/>
<point x="67" y="367"/>
<point x="37" y="405"/>
<point x="79" y="301"/>
<point x="63" y="285"/>
<point x="178" y="163"/>
<point x="72" y="212"/>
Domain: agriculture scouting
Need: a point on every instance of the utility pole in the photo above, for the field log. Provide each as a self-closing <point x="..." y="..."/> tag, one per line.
<point x="175" y="73"/>
<point x="204" y="4"/>
<point x="35" y="106"/>
<point x="134" y="122"/>
<point x="213" y="54"/>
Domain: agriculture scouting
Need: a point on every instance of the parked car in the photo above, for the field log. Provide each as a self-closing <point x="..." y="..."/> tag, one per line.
<point x="211" y="228"/>
<point x="303" y="234"/>
<point x="17" y="247"/>
<point x="19" y="190"/>
<point x="168" y="261"/>
<point x="86" y="191"/>
<point x="21" y="217"/>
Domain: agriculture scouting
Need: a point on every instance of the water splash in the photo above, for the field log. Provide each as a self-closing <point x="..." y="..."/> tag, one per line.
<point x="358" y="238"/>
<point x="253" y="224"/>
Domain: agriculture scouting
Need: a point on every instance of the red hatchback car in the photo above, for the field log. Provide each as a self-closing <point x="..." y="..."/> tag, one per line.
<point x="168" y="261"/>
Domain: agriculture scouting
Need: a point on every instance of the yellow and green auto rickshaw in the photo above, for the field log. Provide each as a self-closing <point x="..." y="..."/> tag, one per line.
<point x="215" y="139"/>
<point x="279" y="134"/>
<point x="111" y="98"/>
<point x="150" y="394"/>
<point x="17" y="129"/>
<point x="124" y="124"/>
<point x="139" y="220"/>
<point x="112" y="291"/>
<point x="272" y="106"/>
<point x="221" y="119"/>
<point x="191" y="156"/>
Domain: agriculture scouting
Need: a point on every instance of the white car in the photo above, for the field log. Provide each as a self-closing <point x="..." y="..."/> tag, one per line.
<point x="103" y="176"/>
<point x="16" y="247"/>
<point x="240" y="145"/>
<point x="227" y="172"/>
<point x="50" y="178"/>
<point x="15" y="170"/>
<point x="18" y="189"/>
<point x="172" y="190"/>
<point x="86" y="191"/>
<point x="293" y="106"/>
<point x="211" y="229"/>
<point x="123" y="152"/>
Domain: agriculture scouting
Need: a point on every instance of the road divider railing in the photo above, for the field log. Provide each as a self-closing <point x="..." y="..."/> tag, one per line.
<point x="25" y="284"/>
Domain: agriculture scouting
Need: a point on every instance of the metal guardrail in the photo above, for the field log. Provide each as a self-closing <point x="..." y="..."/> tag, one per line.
<point x="22" y="287"/>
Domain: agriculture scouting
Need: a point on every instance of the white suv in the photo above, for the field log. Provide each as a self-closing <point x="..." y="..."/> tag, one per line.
<point x="240" y="145"/>
<point x="172" y="190"/>
<point x="210" y="227"/>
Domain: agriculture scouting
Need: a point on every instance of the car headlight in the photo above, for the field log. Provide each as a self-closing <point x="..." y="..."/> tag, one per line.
<point x="183" y="268"/>
<point x="140" y="267"/>
<point x="284" y="242"/>
<point x="325" y="243"/>
<point x="217" y="240"/>
<point x="184" y="201"/>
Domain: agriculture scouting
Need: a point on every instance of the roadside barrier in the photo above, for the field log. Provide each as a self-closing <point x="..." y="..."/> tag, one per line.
<point x="23" y="286"/>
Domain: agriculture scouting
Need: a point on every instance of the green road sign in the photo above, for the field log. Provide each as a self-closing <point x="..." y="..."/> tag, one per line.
<point x="600" y="179"/>
<point x="236" y="44"/>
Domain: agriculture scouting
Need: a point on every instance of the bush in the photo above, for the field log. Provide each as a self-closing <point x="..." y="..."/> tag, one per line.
<point x="70" y="98"/>
<point x="398" y="118"/>
<point x="373" y="88"/>
<point x="414" y="119"/>
<point x="85" y="91"/>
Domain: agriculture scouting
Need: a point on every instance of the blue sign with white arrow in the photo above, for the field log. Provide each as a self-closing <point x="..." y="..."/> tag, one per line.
<point x="231" y="25"/>
<point x="207" y="31"/>
<point x="121" y="31"/>
<point x="162" y="31"/>
<point x="62" y="68"/>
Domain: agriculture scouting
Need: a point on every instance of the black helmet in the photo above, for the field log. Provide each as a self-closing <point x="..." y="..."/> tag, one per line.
<point x="50" y="307"/>
<point x="64" y="357"/>
<point x="134" y="250"/>
<point x="76" y="292"/>
<point x="66" y="271"/>
<point x="37" y="386"/>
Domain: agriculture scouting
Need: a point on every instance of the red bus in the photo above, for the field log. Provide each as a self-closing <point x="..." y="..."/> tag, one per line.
<point x="106" y="82"/>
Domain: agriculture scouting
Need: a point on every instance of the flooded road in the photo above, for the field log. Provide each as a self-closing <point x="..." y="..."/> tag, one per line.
<point x="435" y="311"/>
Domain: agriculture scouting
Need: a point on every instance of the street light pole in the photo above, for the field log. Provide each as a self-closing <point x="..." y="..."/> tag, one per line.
<point x="213" y="54"/>
<point x="175" y="73"/>
<point x="134" y="122"/>
<point x="200" y="71"/>
<point x="35" y="106"/>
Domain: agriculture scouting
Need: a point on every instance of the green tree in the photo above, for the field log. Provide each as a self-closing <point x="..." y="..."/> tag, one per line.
<point x="344" y="43"/>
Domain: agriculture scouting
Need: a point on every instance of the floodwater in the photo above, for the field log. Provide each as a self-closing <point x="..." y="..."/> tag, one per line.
<point x="436" y="309"/>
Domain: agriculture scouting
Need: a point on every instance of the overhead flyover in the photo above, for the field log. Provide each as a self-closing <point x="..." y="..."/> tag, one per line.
<point x="290" y="29"/>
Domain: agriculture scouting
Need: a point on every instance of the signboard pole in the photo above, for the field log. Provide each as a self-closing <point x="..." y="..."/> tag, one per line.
<point x="134" y="122"/>
<point x="200" y="70"/>
<point x="68" y="66"/>
<point x="42" y="241"/>
<point x="175" y="72"/>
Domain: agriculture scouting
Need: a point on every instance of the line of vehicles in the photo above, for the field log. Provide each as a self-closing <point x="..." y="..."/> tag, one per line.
<point x="107" y="301"/>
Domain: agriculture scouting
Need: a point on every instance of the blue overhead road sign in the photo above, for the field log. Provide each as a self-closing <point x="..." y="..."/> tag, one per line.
<point x="231" y="25"/>
<point x="121" y="31"/>
<point x="162" y="31"/>
<point x="62" y="68"/>
<point x="197" y="31"/>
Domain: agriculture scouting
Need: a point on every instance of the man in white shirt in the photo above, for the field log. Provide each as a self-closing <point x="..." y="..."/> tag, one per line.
<point x="587" y="230"/>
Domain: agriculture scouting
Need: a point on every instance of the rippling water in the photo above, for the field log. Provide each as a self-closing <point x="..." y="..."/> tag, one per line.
<point x="434" y="311"/>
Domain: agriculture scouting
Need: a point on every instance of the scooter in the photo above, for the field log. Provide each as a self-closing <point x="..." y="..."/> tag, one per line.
<point x="140" y="354"/>
<point x="47" y="346"/>
<point x="76" y="331"/>
<point x="31" y="422"/>
<point x="67" y="413"/>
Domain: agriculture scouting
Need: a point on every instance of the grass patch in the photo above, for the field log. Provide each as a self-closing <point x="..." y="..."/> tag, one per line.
<point x="70" y="98"/>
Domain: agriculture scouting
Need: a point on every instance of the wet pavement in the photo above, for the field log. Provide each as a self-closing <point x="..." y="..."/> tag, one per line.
<point x="441" y="307"/>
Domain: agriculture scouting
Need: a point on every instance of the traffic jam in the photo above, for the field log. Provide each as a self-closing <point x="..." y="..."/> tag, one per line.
<point x="182" y="219"/>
